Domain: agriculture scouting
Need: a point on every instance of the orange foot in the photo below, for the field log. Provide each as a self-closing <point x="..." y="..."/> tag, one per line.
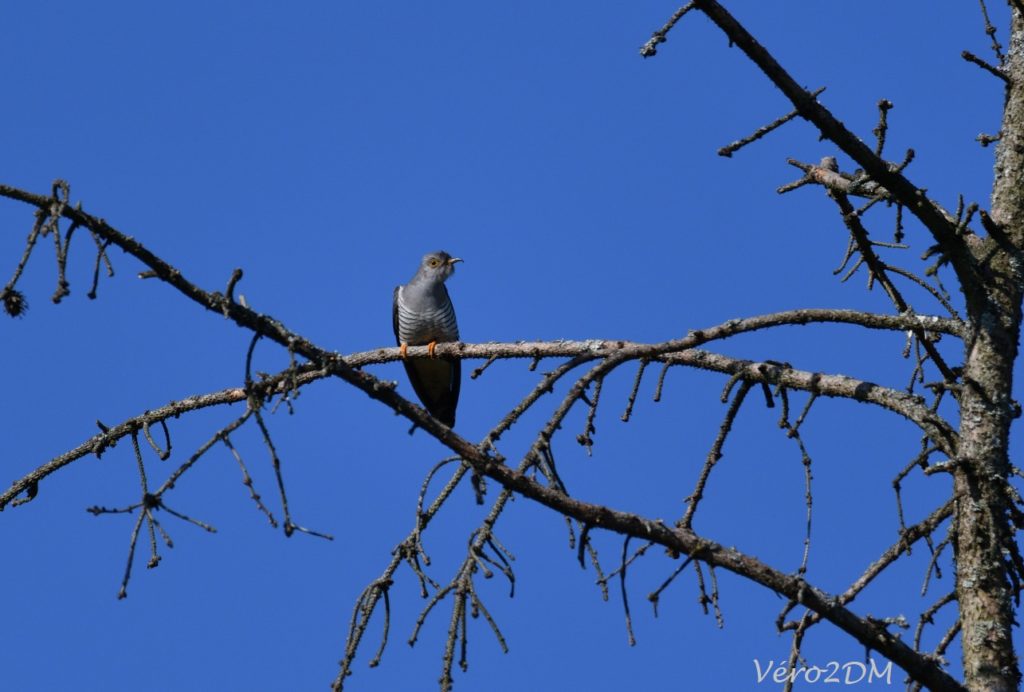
<point x="402" y="349"/>
<point x="430" y="348"/>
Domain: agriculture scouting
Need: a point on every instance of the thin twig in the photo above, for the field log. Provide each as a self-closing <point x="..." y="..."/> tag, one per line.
<point x="650" y="48"/>
<point x="991" y="69"/>
<point x="714" y="455"/>
<point x="730" y="149"/>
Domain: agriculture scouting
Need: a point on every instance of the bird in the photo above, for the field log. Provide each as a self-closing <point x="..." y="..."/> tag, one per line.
<point x="422" y="314"/>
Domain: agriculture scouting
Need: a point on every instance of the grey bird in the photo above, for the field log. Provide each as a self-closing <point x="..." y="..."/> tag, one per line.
<point x="422" y="314"/>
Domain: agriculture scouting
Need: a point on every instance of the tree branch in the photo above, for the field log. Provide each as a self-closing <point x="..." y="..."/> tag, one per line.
<point x="871" y="634"/>
<point x="678" y="352"/>
<point x="909" y="406"/>
<point x="905" y="192"/>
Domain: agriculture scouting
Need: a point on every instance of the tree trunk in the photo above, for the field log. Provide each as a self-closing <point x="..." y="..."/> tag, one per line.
<point x="984" y="540"/>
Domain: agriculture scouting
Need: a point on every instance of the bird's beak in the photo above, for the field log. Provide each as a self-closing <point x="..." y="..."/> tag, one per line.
<point x="453" y="260"/>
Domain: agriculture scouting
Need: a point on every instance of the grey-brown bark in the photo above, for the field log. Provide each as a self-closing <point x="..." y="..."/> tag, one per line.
<point x="988" y="563"/>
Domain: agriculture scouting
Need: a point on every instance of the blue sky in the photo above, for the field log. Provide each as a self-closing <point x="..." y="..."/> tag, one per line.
<point x="323" y="148"/>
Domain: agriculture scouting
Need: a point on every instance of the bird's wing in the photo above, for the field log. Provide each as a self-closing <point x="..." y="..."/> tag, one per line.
<point x="394" y="314"/>
<point x="456" y="363"/>
<point x="455" y="319"/>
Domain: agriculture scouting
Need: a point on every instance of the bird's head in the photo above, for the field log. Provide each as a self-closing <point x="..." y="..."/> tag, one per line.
<point x="438" y="265"/>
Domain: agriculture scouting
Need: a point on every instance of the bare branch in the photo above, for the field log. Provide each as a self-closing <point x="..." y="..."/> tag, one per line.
<point x="990" y="31"/>
<point x="584" y="350"/>
<point x="682" y="541"/>
<point x="715" y="455"/>
<point x="730" y="149"/>
<point x="992" y="70"/>
<point x="650" y="49"/>
<point x="484" y="460"/>
<point x="909" y="406"/>
<point x="880" y="131"/>
<point x="905" y="192"/>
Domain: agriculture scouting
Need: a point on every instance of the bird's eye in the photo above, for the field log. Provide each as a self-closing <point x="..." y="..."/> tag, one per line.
<point x="434" y="262"/>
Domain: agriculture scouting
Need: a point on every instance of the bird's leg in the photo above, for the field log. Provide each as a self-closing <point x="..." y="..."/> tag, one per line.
<point x="430" y="348"/>
<point x="402" y="349"/>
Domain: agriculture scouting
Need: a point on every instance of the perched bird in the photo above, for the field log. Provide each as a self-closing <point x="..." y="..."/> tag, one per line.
<point x="422" y="314"/>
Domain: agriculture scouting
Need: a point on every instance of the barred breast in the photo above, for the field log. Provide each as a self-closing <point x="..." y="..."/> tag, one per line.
<point x="425" y="324"/>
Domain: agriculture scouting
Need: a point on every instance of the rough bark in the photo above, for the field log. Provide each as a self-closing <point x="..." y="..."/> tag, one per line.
<point x="985" y="545"/>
